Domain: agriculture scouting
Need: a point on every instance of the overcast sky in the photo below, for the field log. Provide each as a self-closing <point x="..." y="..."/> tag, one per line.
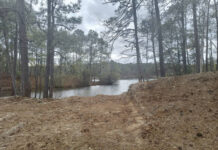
<point x="94" y="13"/>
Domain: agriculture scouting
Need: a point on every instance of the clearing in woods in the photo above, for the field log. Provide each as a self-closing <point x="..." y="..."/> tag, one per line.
<point x="170" y="113"/>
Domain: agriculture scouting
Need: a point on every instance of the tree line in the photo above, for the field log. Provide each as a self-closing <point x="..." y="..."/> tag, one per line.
<point x="168" y="33"/>
<point x="43" y="42"/>
<point x="41" y="45"/>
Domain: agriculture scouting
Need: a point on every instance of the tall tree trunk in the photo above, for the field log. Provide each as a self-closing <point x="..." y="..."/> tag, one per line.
<point x="146" y="55"/>
<point x="40" y="74"/>
<point x="1" y="65"/>
<point x="36" y="73"/>
<point x="153" y="40"/>
<point x="25" y="82"/>
<point x="49" y="49"/>
<point x="60" y="68"/>
<point x="154" y="55"/>
<point x="160" y="39"/>
<point x="198" y="65"/>
<point x="178" y="54"/>
<point x="211" y="57"/>
<point x="147" y="47"/>
<point x="52" y="56"/>
<point x="10" y="67"/>
<point x="187" y="56"/>
<point x="216" y="12"/>
<point x="183" y="38"/>
<point x="90" y="64"/>
<point x="26" y="88"/>
<point x="15" y="53"/>
<point x="207" y="32"/>
<point x="138" y="54"/>
<point x="171" y="38"/>
<point x="202" y="68"/>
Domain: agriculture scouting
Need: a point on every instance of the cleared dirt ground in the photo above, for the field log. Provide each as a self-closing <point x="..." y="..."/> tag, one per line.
<point x="178" y="113"/>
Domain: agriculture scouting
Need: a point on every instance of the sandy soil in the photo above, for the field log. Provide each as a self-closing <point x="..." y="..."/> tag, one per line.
<point x="178" y="113"/>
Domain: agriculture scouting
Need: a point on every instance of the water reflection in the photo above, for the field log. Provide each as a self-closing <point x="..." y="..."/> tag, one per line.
<point x="116" y="89"/>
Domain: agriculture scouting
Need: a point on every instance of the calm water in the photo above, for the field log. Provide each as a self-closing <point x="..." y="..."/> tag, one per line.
<point x="116" y="89"/>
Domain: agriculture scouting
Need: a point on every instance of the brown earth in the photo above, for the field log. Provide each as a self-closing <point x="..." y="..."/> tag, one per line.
<point x="177" y="113"/>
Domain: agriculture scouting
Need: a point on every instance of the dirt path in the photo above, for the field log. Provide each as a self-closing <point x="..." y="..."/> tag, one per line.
<point x="174" y="113"/>
<point x="102" y="122"/>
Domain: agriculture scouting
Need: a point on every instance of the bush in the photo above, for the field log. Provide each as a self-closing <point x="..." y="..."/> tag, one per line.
<point x="109" y="78"/>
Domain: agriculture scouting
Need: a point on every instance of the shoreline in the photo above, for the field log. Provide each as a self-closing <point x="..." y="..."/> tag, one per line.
<point x="168" y="113"/>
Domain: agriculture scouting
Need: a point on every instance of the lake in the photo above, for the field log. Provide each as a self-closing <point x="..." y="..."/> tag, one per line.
<point x="117" y="88"/>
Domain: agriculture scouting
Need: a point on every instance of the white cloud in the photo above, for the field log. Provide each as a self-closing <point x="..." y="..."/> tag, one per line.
<point x="94" y="12"/>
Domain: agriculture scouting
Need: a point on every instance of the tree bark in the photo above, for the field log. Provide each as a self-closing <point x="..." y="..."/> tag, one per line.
<point x="26" y="88"/>
<point x="187" y="56"/>
<point x="216" y="12"/>
<point x="49" y="49"/>
<point x="154" y="55"/>
<point x="40" y="74"/>
<point x="183" y="38"/>
<point x="52" y="55"/>
<point x="15" y="52"/>
<point x="1" y="69"/>
<point x="138" y="54"/>
<point x="160" y="39"/>
<point x="147" y="47"/>
<point x="90" y="63"/>
<point x="196" y="37"/>
<point x="153" y="40"/>
<point x="10" y="67"/>
<point x="178" y="55"/>
<point x="36" y="73"/>
<point x="211" y="57"/>
<point x="207" y="32"/>
<point x="202" y="68"/>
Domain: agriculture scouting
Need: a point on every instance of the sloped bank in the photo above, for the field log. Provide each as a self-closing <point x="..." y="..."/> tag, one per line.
<point x="169" y="113"/>
<point x="181" y="112"/>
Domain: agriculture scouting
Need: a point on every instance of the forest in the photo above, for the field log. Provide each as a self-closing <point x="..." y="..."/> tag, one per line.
<point x="109" y="74"/>
<point x="41" y="44"/>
